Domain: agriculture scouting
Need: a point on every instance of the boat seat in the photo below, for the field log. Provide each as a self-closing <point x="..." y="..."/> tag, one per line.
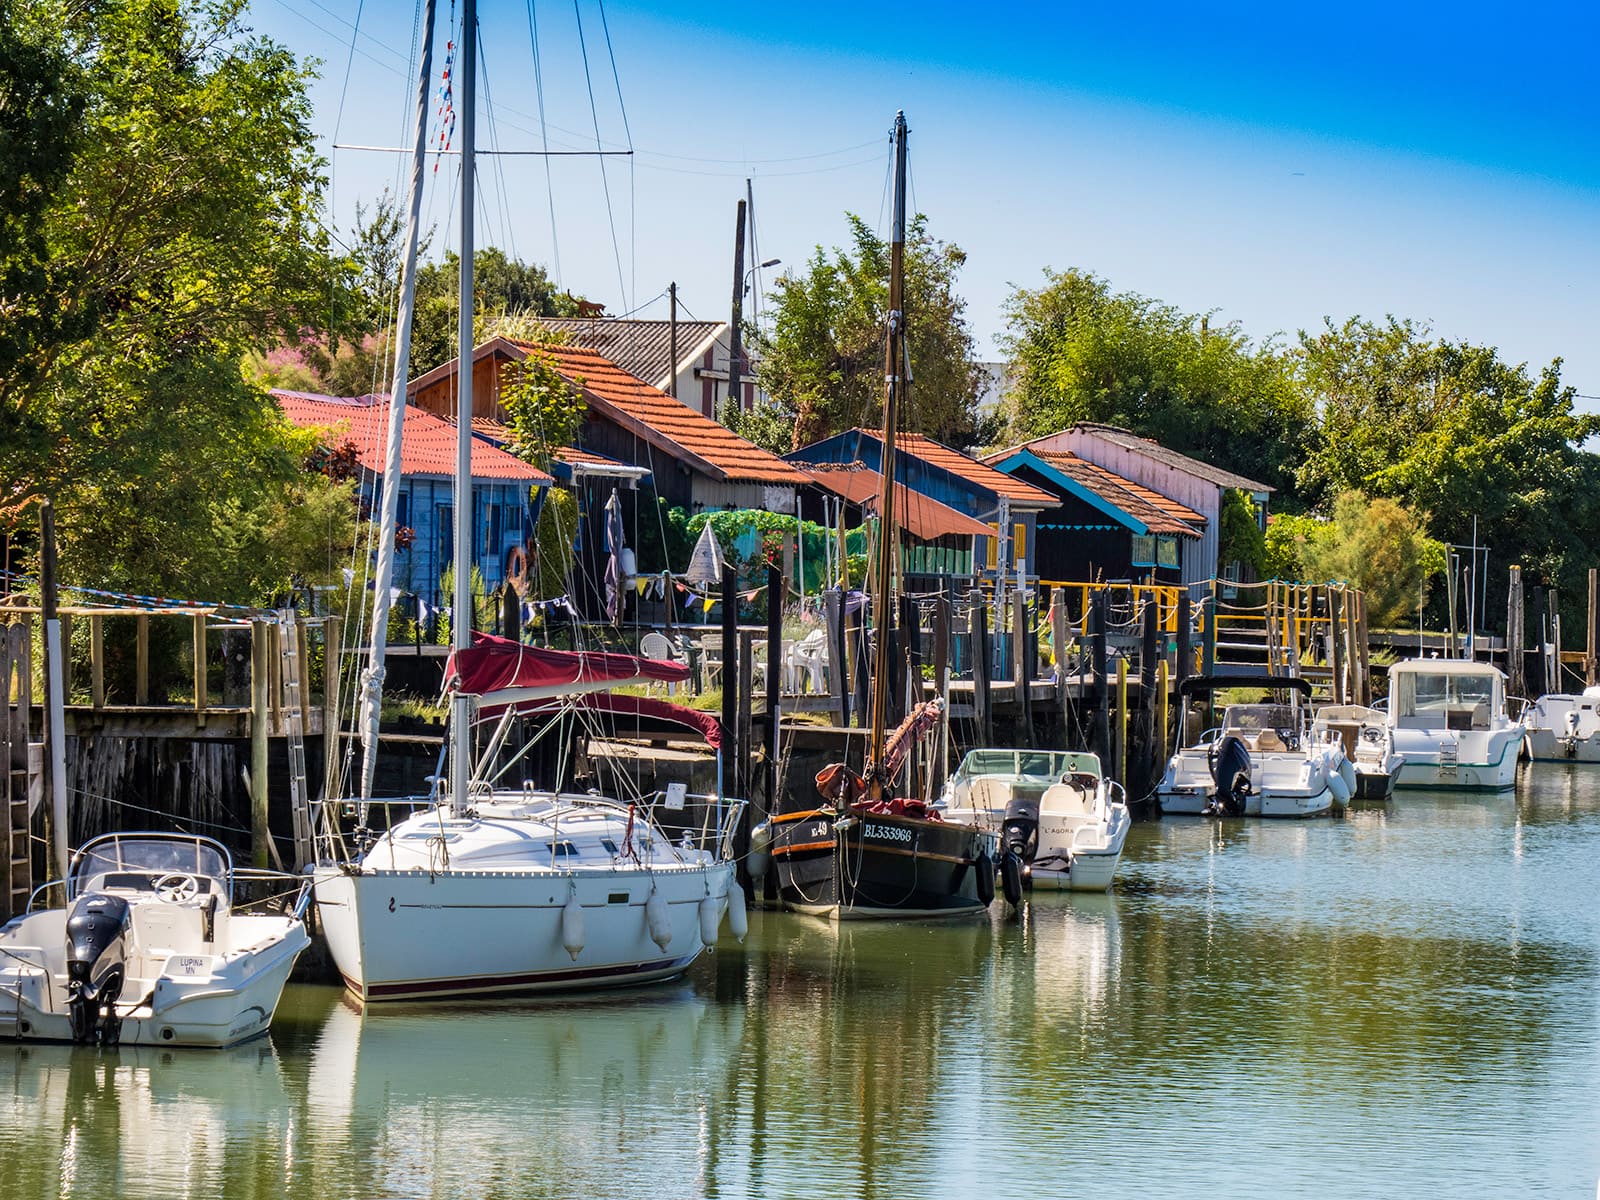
<point x="1066" y="800"/>
<point x="162" y="930"/>
<point x="989" y="795"/>
<point x="1269" y="742"/>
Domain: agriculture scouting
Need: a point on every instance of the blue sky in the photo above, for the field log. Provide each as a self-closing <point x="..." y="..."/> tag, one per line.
<point x="1276" y="164"/>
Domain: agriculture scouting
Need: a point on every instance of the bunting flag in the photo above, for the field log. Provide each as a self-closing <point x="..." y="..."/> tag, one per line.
<point x="445" y="118"/>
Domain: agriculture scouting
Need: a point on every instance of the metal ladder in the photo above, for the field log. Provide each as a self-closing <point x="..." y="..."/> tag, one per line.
<point x="20" y="767"/>
<point x="295" y="735"/>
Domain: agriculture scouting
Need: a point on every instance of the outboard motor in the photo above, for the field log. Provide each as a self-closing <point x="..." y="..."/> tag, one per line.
<point x="96" y="966"/>
<point x="1019" y="842"/>
<point x="1230" y="770"/>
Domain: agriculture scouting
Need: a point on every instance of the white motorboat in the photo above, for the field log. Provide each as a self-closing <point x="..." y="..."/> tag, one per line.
<point x="1564" y="728"/>
<point x="1056" y="810"/>
<point x="1261" y="762"/>
<point x="483" y="888"/>
<point x="1368" y="744"/>
<point x="151" y="948"/>
<point x="1450" y="726"/>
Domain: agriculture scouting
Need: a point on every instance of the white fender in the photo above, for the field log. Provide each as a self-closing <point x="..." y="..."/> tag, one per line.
<point x="658" y="920"/>
<point x="760" y="856"/>
<point x="1339" y="788"/>
<point x="1347" y="772"/>
<point x="572" y="925"/>
<point x="710" y="918"/>
<point x="738" y="919"/>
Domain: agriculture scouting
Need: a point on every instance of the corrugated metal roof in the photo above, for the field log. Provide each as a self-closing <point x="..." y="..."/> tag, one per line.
<point x="966" y="467"/>
<point x="641" y="348"/>
<point x="427" y="446"/>
<point x="1151" y="449"/>
<point x="680" y="431"/>
<point x="921" y="516"/>
<point x="1149" y="507"/>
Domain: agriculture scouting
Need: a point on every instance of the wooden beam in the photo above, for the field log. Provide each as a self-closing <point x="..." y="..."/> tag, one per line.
<point x="198" y="640"/>
<point x="141" y="660"/>
<point x="97" y="661"/>
<point x="260" y="652"/>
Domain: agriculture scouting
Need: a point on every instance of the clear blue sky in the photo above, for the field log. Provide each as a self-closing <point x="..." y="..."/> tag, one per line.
<point x="1274" y="163"/>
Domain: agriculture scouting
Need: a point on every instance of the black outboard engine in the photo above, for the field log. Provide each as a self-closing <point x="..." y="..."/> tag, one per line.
<point x="1019" y="842"/>
<point x="96" y="966"/>
<point x="1230" y="770"/>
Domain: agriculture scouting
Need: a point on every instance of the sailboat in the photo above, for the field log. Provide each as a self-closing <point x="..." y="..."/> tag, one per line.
<point x="490" y="884"/>
<point x="862" y="851"/>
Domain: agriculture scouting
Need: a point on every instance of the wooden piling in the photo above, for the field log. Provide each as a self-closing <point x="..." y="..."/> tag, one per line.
<point x="941" y="677"/>
<point x="198" y="641"/>
<point x="1364" y="648"/>
<point x="1184" y="667"/>
<point x="1336" y="637"/>
<point x="775" y="597"/>
<point x="1516" y="664"/>
<point x="141" y="660"/>
<point x="1102" y="694"/>
<point x="1121" y="748"/>
<point x="1020" y="674"/>
<point x="97" y="661"/>
<point x="1537" y="685"/>
<point x="730" y="682"/>
<point x="745" y="765"/>
<point x="980" y="667"/>
<point x="331" y="749"/>
<point x="1058" y="643"/>
<point x="838" y="664"/>
<point x="1591" y="663"/>
<point x="260" y="654"/>
<point x="1163" y="739"/>
<point x="1148" y="657"/>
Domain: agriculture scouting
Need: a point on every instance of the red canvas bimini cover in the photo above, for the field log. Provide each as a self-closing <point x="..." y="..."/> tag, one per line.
<point x="494" y="664"/>
<point x="644" y="707"/>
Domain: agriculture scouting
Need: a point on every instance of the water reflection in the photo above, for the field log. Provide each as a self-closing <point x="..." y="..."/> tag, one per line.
<point x="1399" y="1002"/>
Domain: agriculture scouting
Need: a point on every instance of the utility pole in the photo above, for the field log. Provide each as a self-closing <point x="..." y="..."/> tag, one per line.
<point x="735" y="343"/>
<point x="672" y="338"/>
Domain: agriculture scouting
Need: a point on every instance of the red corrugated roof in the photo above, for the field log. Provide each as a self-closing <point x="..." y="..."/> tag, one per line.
<point x="970" y="469"/>
<point x="666" y="422"/>
<point x="919" y="515"/>
<point x="427" y="446"/>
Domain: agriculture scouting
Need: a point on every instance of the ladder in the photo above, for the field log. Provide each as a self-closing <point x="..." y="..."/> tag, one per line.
<point x="295" y="734"/>
<point x="21" y="765"/>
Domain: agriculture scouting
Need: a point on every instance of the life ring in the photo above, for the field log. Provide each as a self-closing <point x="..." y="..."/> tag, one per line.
<point x="517" y="568"/>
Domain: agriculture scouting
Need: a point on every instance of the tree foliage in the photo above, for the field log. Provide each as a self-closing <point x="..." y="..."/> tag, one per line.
<point x="1080" y="352"/>
<point x="543" y="410"/>
<point x="1379" y="547"/>
<point x="1239" y="537"/>
<point x="823" y="361"/>
<point x="182" y="235"/>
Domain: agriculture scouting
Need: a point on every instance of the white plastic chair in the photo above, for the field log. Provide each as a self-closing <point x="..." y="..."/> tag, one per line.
<point x="656" y="646"/>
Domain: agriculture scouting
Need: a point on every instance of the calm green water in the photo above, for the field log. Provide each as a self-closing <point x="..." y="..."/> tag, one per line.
<point x="1404" y="1002"/>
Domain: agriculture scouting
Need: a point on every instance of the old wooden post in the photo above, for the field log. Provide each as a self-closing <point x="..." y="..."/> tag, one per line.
<point x="980" y="669"/>
<point x="1102" y="694"/>
<point x="1120" y="753"/>
<point x="1184" y="666"/>
<point x="97" y="661"/>
<point x="198" y="639"/>
<point x="775" y="595"/>
<point x="58" y="829"/>
<point x="331" y="748"/>
<point x="941" y="677"/>
<point x="1364" y="647"/>
<point x="1163" y="721"/>
<point x="260" y="657"/>
<point x="141" y="660"/>
<point x="1552" y="670"/>
<point x="1149" y="656"/>
<point x="1537" y="685"/>
<point x="1058" y="642"/>
<point x="1516" y="664"/>
<point x="1020" y="672"/>
<point x="1591" y="660"/>
<point x="1336" y="634"/>
<point x="730" y="682"/>
<point x="746" y="762"/>
<point x="838" y="665"/>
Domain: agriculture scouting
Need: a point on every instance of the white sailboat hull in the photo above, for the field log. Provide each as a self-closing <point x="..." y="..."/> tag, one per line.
<point x="409" y="935"/>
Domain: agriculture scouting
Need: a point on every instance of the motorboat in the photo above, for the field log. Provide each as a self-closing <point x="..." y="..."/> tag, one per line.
<point x="152" y="947"/>
<point x="503" y="887"/>
<point x="1364" y="735"/>
<point x="1564" y="728"/>
<point x="1055" y="810"/>
<point x="1262" y="761"/>
<point x="1450" y="726"/>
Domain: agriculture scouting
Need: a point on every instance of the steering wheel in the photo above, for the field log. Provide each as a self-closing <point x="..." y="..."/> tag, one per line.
<point x="177" y="887"/>
<point x="1289" y="737"/>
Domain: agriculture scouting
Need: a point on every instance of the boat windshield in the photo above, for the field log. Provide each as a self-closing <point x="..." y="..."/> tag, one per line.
<point x="1253" y="718"/>
<point x="138" y="860"/>
<point x="1457" y="700"/>
<point x="1045" y="765"/>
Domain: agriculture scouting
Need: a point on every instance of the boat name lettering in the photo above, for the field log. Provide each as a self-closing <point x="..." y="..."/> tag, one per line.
<point x="891" y="833"/>
<point x="189" y="966"/>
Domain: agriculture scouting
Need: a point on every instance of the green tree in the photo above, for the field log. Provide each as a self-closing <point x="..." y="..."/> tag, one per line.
<point x="182" y="236"/>
<point x="500" y="286"/>
<point x="1080" y="352"/>
<point x="822" y="362"/>
<point x="543" y="410"/>
<point x="1239" y="537"/>
<point x="1379" y="547"/>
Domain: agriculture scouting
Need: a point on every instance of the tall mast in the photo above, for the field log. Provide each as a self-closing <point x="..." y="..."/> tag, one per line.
<point x="461" y="616"/>
<point x="888" y="531"/>
<point x="372" y="678"/>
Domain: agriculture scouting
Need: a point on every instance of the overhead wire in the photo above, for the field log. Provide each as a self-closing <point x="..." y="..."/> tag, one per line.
<point x="605" y="180"/>
<point x="544" y="140"/>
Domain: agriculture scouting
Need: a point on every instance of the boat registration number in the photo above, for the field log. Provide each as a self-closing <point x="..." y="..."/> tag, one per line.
<point x="888" y="833"/>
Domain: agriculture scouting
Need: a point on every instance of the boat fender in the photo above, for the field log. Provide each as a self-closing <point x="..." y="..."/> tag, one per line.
<point x="1339" y="788"/>
<point x="738" y="918"/>
<point x="1011" y="878"/>
<point x="710" y="918"/>
<point x="658" y="920"/>
<point x="985" y="869"/>
<point x="760" y="851"/>
<point x="1347" y="772"/>
<point x="572" y="925"/>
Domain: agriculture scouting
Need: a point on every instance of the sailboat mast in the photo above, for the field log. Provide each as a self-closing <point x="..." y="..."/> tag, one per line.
<point x="888" y="530"/>
<point x="461" y="616"/>
<point x="383" y="575"/>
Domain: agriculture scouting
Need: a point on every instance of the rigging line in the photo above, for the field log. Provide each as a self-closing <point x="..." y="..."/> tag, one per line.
<point x="344" y="90"/>
<point x="487" y="153"/>
<point x="594" y="115"/>
<point x="749" y="174"/>
<point x="323" y="29"/>
<point x="355" y="27"/>
<point x="544" y="138"/>
<point x="756" y="162"/>
<point x="615" y="78"/>
<point x="508" y="236"/>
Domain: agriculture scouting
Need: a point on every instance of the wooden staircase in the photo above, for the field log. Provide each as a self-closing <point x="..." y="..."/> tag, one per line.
<point x="16" y="851"/>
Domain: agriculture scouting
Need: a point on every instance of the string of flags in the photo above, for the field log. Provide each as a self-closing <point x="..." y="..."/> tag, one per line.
<point x="445" y="117"/>
<point x="128" y="597"/>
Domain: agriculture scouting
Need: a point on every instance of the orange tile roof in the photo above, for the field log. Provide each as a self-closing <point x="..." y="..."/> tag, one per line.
<point x="427" y="445"/>
<point x="667" y="423"/>
<point x="1161" y="513"/>
<point x="921" y="516"/>
<point x="970" y="469"/>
